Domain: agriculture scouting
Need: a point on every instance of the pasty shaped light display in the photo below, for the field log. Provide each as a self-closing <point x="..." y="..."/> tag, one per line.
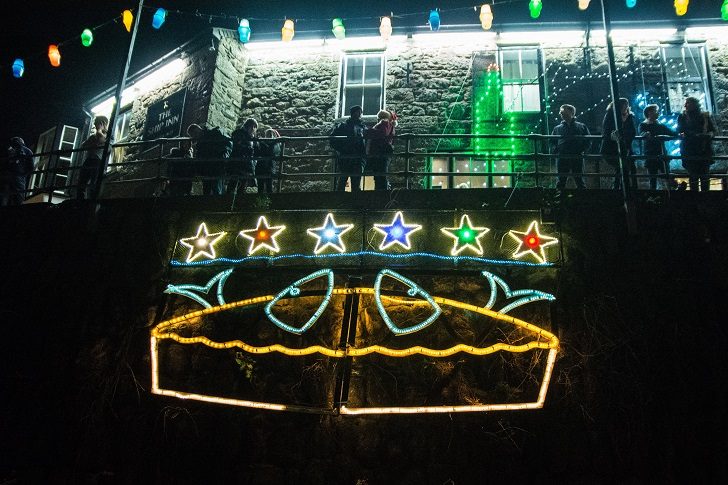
<point x="532" y="242"/>
<point x="397" y="232"/>
<point x="263" y="236"/>
<point x="466" y="236"/>
<point x="202" y="244"/>
<point x="631" y="3"/>
<point x="584" y="4"/>
<point x="329" y="235"/>
<point x="533" y="338"/>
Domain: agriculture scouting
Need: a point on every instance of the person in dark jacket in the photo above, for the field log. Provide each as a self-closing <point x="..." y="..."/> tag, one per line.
<point x="696" y="129"/>
<point x="93" y="148"/>
<point x="350" y="152"/>
<point x="15" y="174"/>
<point x="180" y="171"/>
<point x="624" y="133"/>
<point x="242" y="162"/>
<point x="654" y="148"/>
<point x="212" y="147"/>
<point x="570" y="147"/>
<point x="380" y="148"/>
<point x="269" y="148"/>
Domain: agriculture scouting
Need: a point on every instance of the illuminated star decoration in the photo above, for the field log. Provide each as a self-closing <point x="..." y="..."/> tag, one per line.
<point x="202" y="243"/>
<point x="397" y="232"/>
<point x="532" y="242"/>
<point x="263" y="236"/>
<point x="329" y="235"/>
<point x="466" y="236"/>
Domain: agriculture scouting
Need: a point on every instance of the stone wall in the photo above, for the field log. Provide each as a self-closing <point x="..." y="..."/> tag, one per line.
<point x="429" y="82"/>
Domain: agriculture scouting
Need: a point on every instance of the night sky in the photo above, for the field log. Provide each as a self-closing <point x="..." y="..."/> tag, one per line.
<point x="47" y="95"/>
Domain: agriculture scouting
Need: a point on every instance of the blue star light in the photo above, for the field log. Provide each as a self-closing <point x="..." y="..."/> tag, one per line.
<point x="329" y="235"/>
<point x="397" y="232"/>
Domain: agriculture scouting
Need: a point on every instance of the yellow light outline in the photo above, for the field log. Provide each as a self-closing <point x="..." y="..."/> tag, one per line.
<point x="160" y="332"/>
<point x="544" y="242"/>
<point x="311" y="232"/>
<point x="275" y="231"/>
<point x="451" y="231"/>
<point x="210" y="243"/>
<point x="379" y="227"/>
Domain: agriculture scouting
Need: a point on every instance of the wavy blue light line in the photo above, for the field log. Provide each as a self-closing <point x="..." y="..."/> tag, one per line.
<point x="454" y="259"/>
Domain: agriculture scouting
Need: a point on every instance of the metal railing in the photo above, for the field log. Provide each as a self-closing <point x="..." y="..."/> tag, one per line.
<point x="299" y="157"/>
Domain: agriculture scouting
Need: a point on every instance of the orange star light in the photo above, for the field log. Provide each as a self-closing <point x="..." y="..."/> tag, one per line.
<point x="263" y="236"/>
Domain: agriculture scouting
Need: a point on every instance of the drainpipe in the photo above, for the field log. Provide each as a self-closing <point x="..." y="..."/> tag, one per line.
<point x="614" y="88"/>
<point x="114" y="112"/>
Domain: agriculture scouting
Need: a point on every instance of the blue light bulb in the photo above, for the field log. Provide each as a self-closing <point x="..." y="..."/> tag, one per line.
<point x="244" y="31"/>
<point x="159" y="17"/>
<point x="434" y="20"/>
<point x="18" y="68"/>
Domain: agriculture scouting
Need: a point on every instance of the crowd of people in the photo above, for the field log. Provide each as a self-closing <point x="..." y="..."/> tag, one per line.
<point x="245" y="159"/>
<point x="695" y="130"/>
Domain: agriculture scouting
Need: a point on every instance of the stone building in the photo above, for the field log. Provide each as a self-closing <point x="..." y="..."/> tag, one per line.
<point x="457" y="82"/>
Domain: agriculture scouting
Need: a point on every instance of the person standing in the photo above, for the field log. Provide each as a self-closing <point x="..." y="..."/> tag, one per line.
<point x="211" y="148"/>
<point x="350" y="151"/>
<point x="654" y="149"/>
<point x="15" y="174"/>
<point x="93" y="148"/>
<point x="265" y="166"/>
<point x="380" y="147"/>
<point x="242" y="162"/>
<point x="696" y="129"/>
<point x="623" y="133"/>
<point x="570" y="147"/>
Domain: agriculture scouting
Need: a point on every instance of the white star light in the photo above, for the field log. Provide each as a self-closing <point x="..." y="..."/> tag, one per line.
<point x="466" y="236"/>
<point x="329" y="235"/>
<point x="202" y="243"/>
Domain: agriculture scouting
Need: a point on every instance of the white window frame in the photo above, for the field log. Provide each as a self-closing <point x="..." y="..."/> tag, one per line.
<point x="675" y="95"/>
<point x="122" y="129"/>
<point x="519" y="83"/>
<point x="343" y="84"/>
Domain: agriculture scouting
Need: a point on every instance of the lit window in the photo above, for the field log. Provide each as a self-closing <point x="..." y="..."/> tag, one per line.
<point x="686" y="75"/>
<point x="121" y="135"/>
<point x="520" y="75"/>
<point x="362" y="83"/>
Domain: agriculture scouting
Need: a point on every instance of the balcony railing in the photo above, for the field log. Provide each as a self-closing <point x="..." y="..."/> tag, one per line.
<point x="410" y="166"/>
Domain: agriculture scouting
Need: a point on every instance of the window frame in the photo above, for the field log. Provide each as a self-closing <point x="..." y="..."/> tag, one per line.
<point x="521" y="82"/>
<point x="703" y="80"/>
<point x="343" y="84"/>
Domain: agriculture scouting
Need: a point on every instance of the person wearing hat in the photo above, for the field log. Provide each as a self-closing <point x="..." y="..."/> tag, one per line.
<point x="350" y="151"/>
<point x="15" y="173"/>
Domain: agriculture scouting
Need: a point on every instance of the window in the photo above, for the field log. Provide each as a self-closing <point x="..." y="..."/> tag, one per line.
<point x="61" y="138"/>
<point x="520" y="75"/>
<point x="468" y="165"/>
<point x="362" y="83"/>
<point x="686" y="75"/>
<point x="121" y="134"/>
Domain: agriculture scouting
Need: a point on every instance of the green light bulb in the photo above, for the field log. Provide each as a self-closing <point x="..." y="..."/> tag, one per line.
<point x="87" y="37"/>
<point x="724" y="10"/>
